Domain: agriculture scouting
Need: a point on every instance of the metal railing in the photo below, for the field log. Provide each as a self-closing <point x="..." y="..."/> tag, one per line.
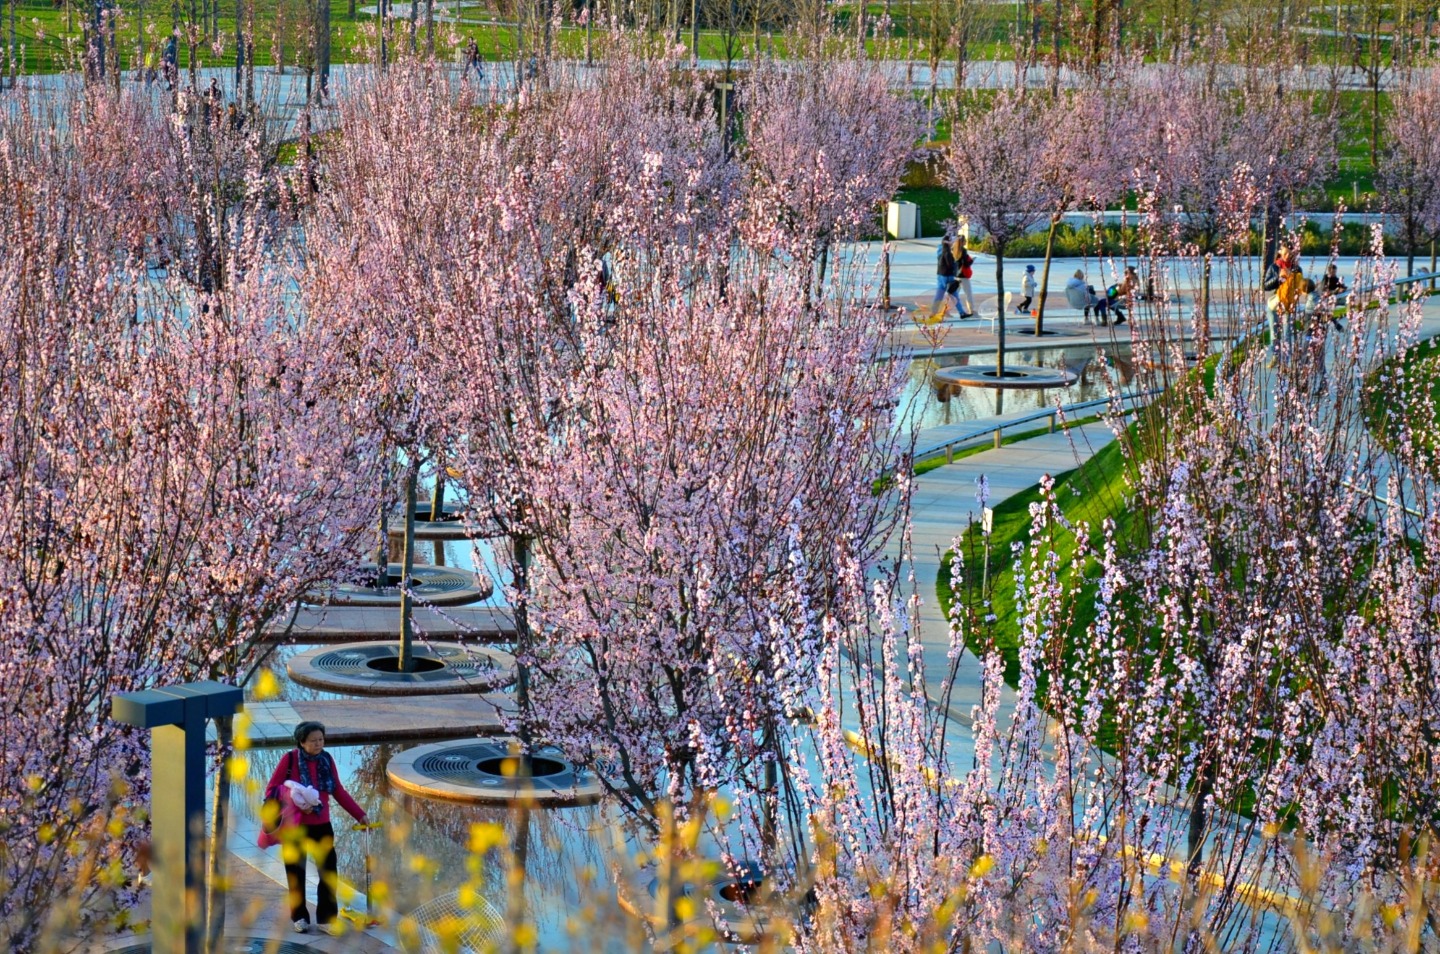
<point x="996" y="429"/>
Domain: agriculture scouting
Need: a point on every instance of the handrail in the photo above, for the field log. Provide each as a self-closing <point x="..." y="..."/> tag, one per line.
<point x="950" y="445"/>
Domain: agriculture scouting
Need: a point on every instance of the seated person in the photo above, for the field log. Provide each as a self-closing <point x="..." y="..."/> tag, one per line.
<point x="1082" y="296"/>
<point x="1330" y="283"/>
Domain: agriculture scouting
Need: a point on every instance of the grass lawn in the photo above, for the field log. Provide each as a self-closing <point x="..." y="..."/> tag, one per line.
<point x="1384" y="413"/>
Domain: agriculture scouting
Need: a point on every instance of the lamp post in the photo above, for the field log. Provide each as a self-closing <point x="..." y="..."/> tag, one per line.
<point x="176" y="717"/>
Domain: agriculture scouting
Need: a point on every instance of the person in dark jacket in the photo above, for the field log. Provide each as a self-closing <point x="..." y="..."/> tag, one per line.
<point x="947" y="271"/>
<point x="313" y="780"/>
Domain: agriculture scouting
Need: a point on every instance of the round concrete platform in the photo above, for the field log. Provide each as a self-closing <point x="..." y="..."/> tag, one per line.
<point x="433" y="586"/>
<point x="371" y="669"/>
<point x="483" y="773"/>
<point x="450" y="526"/>
<point x="1017" y="377"/>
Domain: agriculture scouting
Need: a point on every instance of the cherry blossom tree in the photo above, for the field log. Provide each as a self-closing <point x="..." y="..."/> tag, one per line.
<point x="1214" y="154"/>
<point x="996" y="162"/>
<point x="1086" y="163"/>
<point x="176" y="475"/>
<point x="826" y="141"/>
<point x="1408" y="175"/>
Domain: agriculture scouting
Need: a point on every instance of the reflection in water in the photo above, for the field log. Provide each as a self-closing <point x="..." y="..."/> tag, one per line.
<point x="924" y="403"/>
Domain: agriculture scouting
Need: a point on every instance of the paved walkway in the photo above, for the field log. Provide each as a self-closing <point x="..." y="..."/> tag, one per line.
<point x="943" y="507"/>
<point x="344" y="624"/>
<point x="368" y="720"/>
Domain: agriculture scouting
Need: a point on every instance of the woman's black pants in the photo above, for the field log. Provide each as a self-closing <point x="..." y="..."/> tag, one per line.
<point x="323" y="839"/>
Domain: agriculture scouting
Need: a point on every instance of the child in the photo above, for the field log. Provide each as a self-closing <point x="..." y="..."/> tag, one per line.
<point x="1027" y="288"/>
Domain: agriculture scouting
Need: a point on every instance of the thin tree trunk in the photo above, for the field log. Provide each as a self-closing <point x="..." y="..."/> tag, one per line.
<point x="219" y="826"/>
<point x="430" y="28"/>
<point x="322" y="49"/>
<point x="382" y="552"/>
<point x="1199" y="820"/>
<point x="515" y="914"/>
<point x="1203" y="305"/>
<point x="407" y="609"/>
<point x="1045" y="276"/>
<point x="437" y="495"/>
<point x="885" y="260"/>
<point x="239" y="47"/>
<point x="521" y="545"/>
<point x="999" y="309"/>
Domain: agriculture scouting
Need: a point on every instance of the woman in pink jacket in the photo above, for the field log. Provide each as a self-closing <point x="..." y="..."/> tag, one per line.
<point x="306" y="827"/>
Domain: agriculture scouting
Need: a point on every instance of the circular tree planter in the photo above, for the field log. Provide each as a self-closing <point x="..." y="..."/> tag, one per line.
<point x="485" y="772"/>
<point x="433" y="586"/>
<point x="731" y="896"/>
<point x="1016" y="377"/>
<point x="373" y="669"/>
<point x="449" y="526"/>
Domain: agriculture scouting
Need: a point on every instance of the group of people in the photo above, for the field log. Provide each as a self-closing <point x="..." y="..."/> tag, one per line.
<point x="1108" y="308"/>
<point x="954" y="266"/>
<point x="1292" y="297"/>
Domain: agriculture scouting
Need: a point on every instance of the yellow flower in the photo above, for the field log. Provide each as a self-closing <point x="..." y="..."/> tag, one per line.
<point x="266" y="686"/>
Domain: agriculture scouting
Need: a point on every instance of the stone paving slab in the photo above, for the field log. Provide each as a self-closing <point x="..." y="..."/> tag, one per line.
<point x="343" y="624"/>
<point x="374" y="720"/>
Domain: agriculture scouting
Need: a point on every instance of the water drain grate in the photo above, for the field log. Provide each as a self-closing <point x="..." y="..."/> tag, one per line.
<point x="356" y="662"/>
<point x="463" y="766"/>
<point x="483" y="771"/>
<point x="372" y="668"/>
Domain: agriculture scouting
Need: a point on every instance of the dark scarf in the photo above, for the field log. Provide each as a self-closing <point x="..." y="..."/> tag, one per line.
<point x="317" y="768"/>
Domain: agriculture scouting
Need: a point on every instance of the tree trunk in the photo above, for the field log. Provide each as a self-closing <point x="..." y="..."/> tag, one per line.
<point x="515" y="913"/>
<point x="322" y="49"/>
<point x="437" y="494"/>
<point x="430" y="28"/>
<point x="1045" y="277"/>
<point x="407" y="609"/>
<point x="695" y="33"/>
<point x="1199" y="820"/>
<point x="219" y="826"/>
<point x="382" y="552"/>
<point x="999" y="309"/>
<point x="239" y="49"/>
<point x="522" y="552"/>
<point x="1204" y="342"/>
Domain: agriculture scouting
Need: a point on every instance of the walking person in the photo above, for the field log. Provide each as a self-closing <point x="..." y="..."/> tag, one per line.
<point x="1282" y="306"/>
<point x="170" y="62"/>
<point x="472" y="61"/>
<point x="1027" y="288"/>
<point x="303" y="783"/>
<point x="946" y="278"/>
<point x="965" y="262"/>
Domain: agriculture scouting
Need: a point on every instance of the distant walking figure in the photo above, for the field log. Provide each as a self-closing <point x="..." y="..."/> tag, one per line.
<point x="472" y="61"/>
<point x="170" y="63"/>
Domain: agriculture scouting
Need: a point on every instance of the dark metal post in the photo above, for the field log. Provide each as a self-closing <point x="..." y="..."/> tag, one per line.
<point x="176" y="717"/>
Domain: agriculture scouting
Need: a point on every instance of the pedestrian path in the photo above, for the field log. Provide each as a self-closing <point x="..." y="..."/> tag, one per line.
<point x="370" y="720"/>
<point x="944" y="504"/>
<point x="345" y="624"/>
